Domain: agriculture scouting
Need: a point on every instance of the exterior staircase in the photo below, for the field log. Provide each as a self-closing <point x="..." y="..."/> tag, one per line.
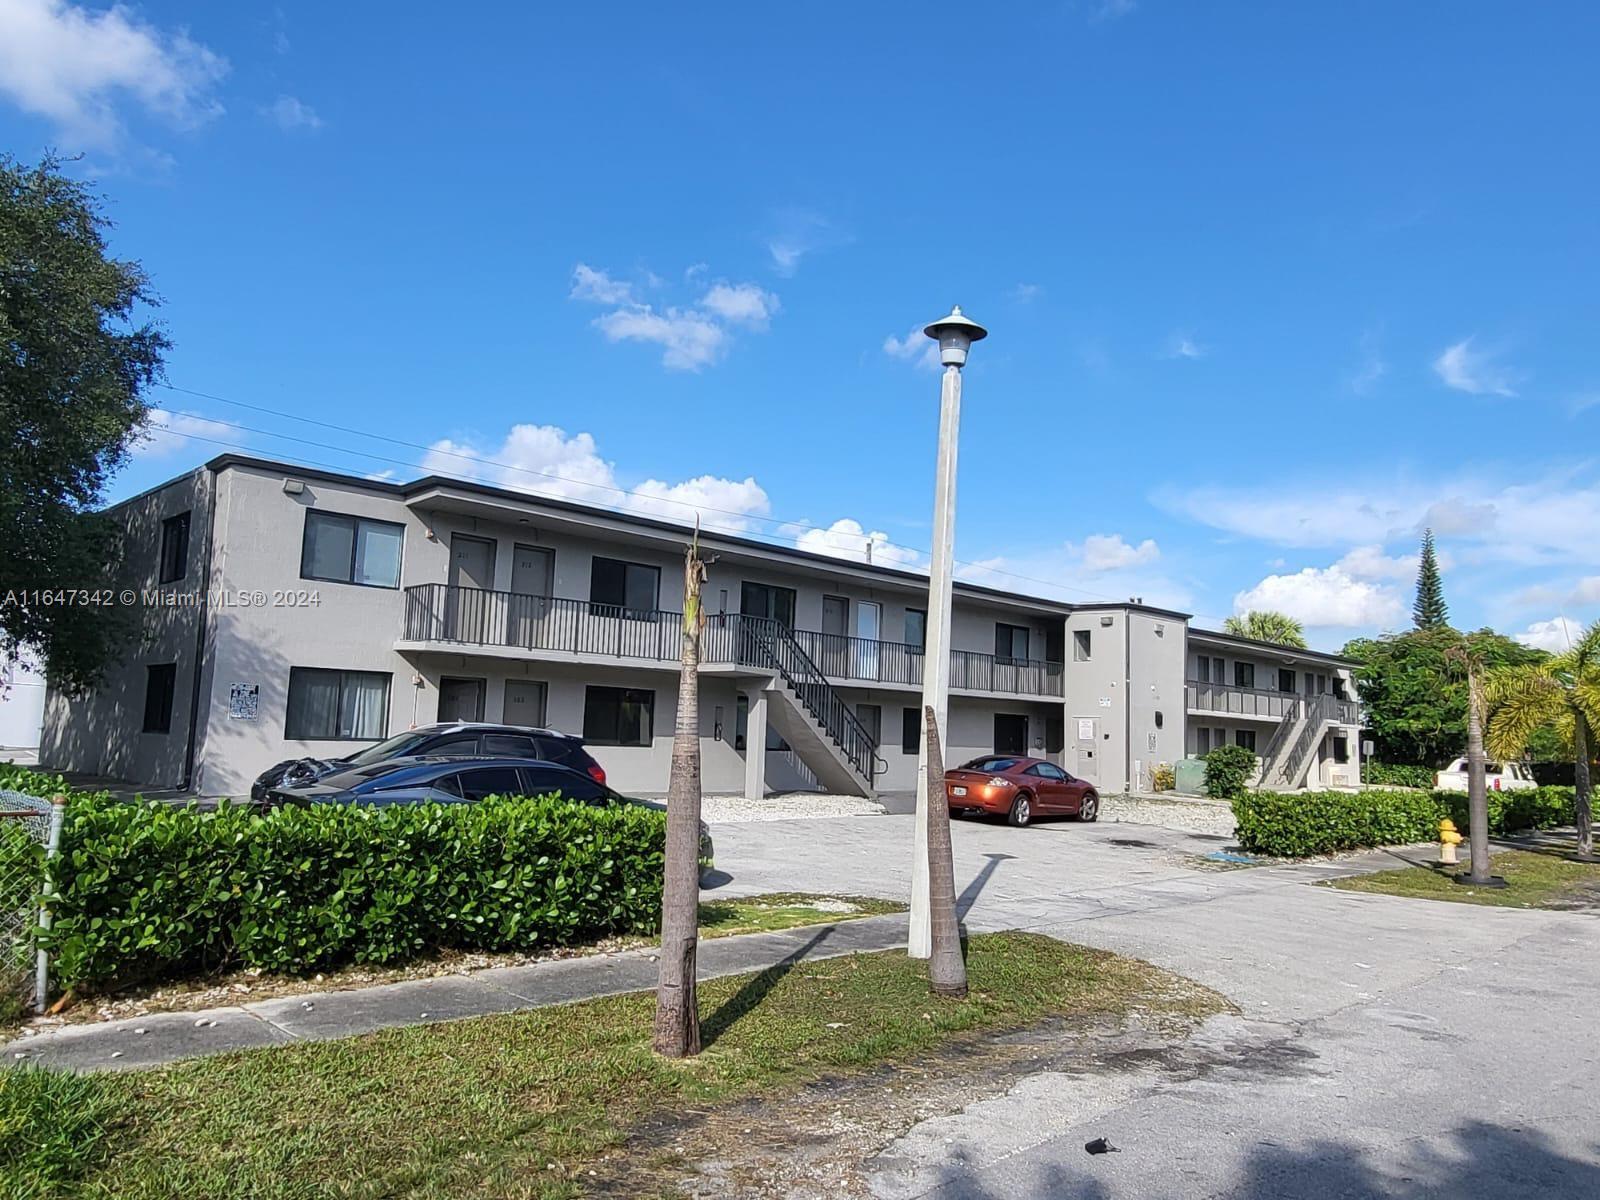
<point x="1288" y="756"/>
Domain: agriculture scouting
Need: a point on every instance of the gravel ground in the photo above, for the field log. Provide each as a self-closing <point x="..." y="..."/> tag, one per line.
<point x="1192" y="815"/>
<point x="788" y="807"/>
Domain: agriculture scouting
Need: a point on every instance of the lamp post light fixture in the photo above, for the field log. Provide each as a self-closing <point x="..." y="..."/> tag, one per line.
<point x="955" y="335"/>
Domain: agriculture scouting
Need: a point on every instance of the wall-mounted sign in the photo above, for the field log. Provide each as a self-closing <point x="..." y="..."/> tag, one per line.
<point x="1086" y="729"/>
<point x="1105" y="701"/>
<point x="244" y="700"/>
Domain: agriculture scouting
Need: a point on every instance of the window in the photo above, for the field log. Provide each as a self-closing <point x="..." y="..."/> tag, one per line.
<point x="769" y="601"/>
<point x="910" y="730"/>
<point x="1285" y="680"/>
<point x="614" y="716"/>
<point x="1244" y="674"/>
<point x="1051" y="771"/>
<point x="1011" y="642"/>
<point x="174" y="548"/>
<point x="563" y="751"/>
<point x="916" y="628"/>
<point x="540" y="781"/>
<point x="1080" y="645"/>
<point x="160" y="682"/>
<point x="343" y="549"/>
<point x="484" y="782"/>
<point x="741" y="721"/>
<point x="1245" y="738"/>
<point x="633" y="587"/>
<point x="509" y="745"/>
<point x="1341" y="749"/>
<point x="1202" y="669"/>
<point x="334" y="706"/>
<point x="1338" y="688"/>
<point x="453" y="747"/>
<point x="1202" y="741"/>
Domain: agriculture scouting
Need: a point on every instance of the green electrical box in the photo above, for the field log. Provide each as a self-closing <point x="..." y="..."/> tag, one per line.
<point x="1190" y="776"/>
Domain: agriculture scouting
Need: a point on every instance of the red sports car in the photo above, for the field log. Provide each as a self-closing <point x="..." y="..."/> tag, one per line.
<point x="1020" y="788"/>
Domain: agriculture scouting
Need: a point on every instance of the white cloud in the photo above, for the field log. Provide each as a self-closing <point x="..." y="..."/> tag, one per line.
<point x="915" y="347"/>
<point x="741" y="303"/>
<point x="1555" y="635"/>
<point x="1061" y="572"/>
<point x="1324" y="597"/>
<point x="597" y="287"/>
<point x="1372" y="368"/>
<point x="1473" y="371"/>
<point x="1370" y="562"/>
<point x="165" y="432"/>
<point x="796" y="233"/>
<point x="1585" y="591"/>
<point x="291" y="113"/>
<point x="1111" y="10"/>
<point x="1183" y="345"/>
<point x="1026" y="293"/>
<point x="75" y="66"/>
<point x="689" y="340"/>
<point x="848" y="538"/>
<point x="1109" y="552"/>
<point x="545" y="460"/>
<point x="1545" y="520"/>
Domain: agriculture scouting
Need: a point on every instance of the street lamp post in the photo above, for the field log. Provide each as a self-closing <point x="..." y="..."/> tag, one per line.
<point x="955" y="334"/>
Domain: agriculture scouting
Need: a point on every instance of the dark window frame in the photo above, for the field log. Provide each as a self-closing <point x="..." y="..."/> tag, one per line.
<point x="1244" y="674"/>
<point x="1082" y="645"/>
<point x="775" y="592"/>
<point x="173" y="564"/>
<point x="1011" y="640"/>
<point x="599" y="607"/>
<point x="388" y="697"/>
<point x="1239" y="736"/>
<point x="314" y="514"/>
<point x="921" y="643"/>
<point x="158" y="703"/>
<point x="645" y="697"/>
<point x="911" y="731"/>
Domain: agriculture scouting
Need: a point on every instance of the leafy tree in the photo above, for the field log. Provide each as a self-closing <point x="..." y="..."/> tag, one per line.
<point x="1430" y="610"/>
<point x="1267" y="626"/>
<point x="1415" y="702"/>
<point x="677" y="1021"/>
<point x="1562" y="693"/>
<point x="75" y="362"/>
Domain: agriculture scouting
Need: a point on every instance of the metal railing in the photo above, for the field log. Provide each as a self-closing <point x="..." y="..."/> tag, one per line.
<point x="439" y="612"/>
<point x="1272" y="756"/>
<point x="1320" y="712"/>
<point x="1239" y="701"/>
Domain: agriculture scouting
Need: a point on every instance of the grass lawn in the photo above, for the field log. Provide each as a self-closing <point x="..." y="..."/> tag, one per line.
<point x="517" y="1105"/>
<point x="1533" y="880"/>
<point x="786" y="910"/>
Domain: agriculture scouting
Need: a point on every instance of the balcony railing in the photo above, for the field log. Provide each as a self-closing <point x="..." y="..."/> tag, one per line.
<point x="437" y="612"/>
<point x="1239" y="701"/>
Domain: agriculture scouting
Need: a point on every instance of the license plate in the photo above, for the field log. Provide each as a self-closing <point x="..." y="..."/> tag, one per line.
<point x="958" y="790"/>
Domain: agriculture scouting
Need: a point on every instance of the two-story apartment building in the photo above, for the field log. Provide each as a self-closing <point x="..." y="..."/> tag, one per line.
<point x="290" y="611"/>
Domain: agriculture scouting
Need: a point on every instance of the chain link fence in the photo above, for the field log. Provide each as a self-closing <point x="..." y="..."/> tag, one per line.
<point x="30" y="832"/>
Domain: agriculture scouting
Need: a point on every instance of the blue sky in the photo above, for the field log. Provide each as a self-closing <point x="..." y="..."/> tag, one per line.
<point x="1269" y="286"/>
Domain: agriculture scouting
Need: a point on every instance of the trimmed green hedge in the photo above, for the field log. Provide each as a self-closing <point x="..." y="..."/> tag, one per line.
<point x="149" y="890"/>
<point x="1384" y="774"/>
<point x="1229" y="770"/>
<point x="1301" y="824"/>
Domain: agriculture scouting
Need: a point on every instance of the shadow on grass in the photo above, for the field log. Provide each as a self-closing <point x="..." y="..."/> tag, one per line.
<point x="1477" y="1158"/>
<point x="755" y="990"/>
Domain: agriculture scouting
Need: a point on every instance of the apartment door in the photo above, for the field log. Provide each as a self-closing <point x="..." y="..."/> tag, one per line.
<point x="460" y="699"/>
<point x="869" y="628"/>
<point x="525" y="702"/>
<point x="471" y="579"/>
<point x="835" y="640"/>
<point x="532" y="578"/>
<point x="871" y="718"/>
<point x="1010" y="733"/>
<point x="1086" y="743"/>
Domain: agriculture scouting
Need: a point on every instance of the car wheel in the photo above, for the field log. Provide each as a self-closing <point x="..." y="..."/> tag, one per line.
<point x="1021" y="810"/>
<point x="1089" y="807"/>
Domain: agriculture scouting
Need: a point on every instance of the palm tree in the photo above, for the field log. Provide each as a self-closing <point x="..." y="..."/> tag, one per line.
<point x="677" y="1022"/>
<point x="1564" y="692"/>
<point x="1267" y="626"/>
<point x="1469" y="661"/>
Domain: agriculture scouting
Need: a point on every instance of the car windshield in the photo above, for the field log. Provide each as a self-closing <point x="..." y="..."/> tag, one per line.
<point x="388" y="748"/>
<point x="989" y="764"/>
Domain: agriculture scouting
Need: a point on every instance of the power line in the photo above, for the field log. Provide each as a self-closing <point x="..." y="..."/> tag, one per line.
<point x="867" y="539"/>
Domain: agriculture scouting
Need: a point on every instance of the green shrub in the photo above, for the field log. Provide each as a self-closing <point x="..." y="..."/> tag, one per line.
<point x="1229" y="770"/>
<point x="1395" y="774"/>
<point x="1299" y="824"/>
<point x="1305" y="823"/>
<point x="149" y="890"/>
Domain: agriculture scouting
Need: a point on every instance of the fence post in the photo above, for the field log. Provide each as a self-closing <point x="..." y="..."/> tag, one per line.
<point x="41" y="970"/>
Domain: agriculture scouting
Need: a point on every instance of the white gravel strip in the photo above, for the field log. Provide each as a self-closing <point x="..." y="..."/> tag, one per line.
<point x="791" y="806"/>
<point x="1192" y="816"/>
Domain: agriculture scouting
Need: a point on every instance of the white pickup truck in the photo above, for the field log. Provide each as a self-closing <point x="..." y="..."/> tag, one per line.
<point x="1498" y="777"/>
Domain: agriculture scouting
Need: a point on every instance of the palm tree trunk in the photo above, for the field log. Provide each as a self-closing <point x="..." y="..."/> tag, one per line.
<point x="1580" y="777"/>
<point x="1477" y="792"/>
<point x="947" y="970"/>
<point x="677" y="1024"/>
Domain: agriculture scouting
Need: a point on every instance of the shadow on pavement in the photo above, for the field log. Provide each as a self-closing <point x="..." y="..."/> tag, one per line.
<point x="1476" y="1159"/>
<point x="969" y="894"/>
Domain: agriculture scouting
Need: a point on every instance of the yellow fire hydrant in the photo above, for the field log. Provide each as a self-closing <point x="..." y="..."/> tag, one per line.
<point x="1449" y="839"/>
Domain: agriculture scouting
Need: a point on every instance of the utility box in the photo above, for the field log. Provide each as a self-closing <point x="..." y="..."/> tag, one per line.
<point x="1189" y="776"/>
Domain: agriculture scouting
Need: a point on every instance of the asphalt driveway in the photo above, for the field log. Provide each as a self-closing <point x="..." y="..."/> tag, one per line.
<point x="1383" y="1046"/>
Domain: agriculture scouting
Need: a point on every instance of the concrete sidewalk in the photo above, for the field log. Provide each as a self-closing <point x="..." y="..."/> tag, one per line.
<point x="167" y="1037"/>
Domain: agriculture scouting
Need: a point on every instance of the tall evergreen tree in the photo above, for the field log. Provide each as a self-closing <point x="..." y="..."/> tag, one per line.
<point x="1430" y="610"/>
